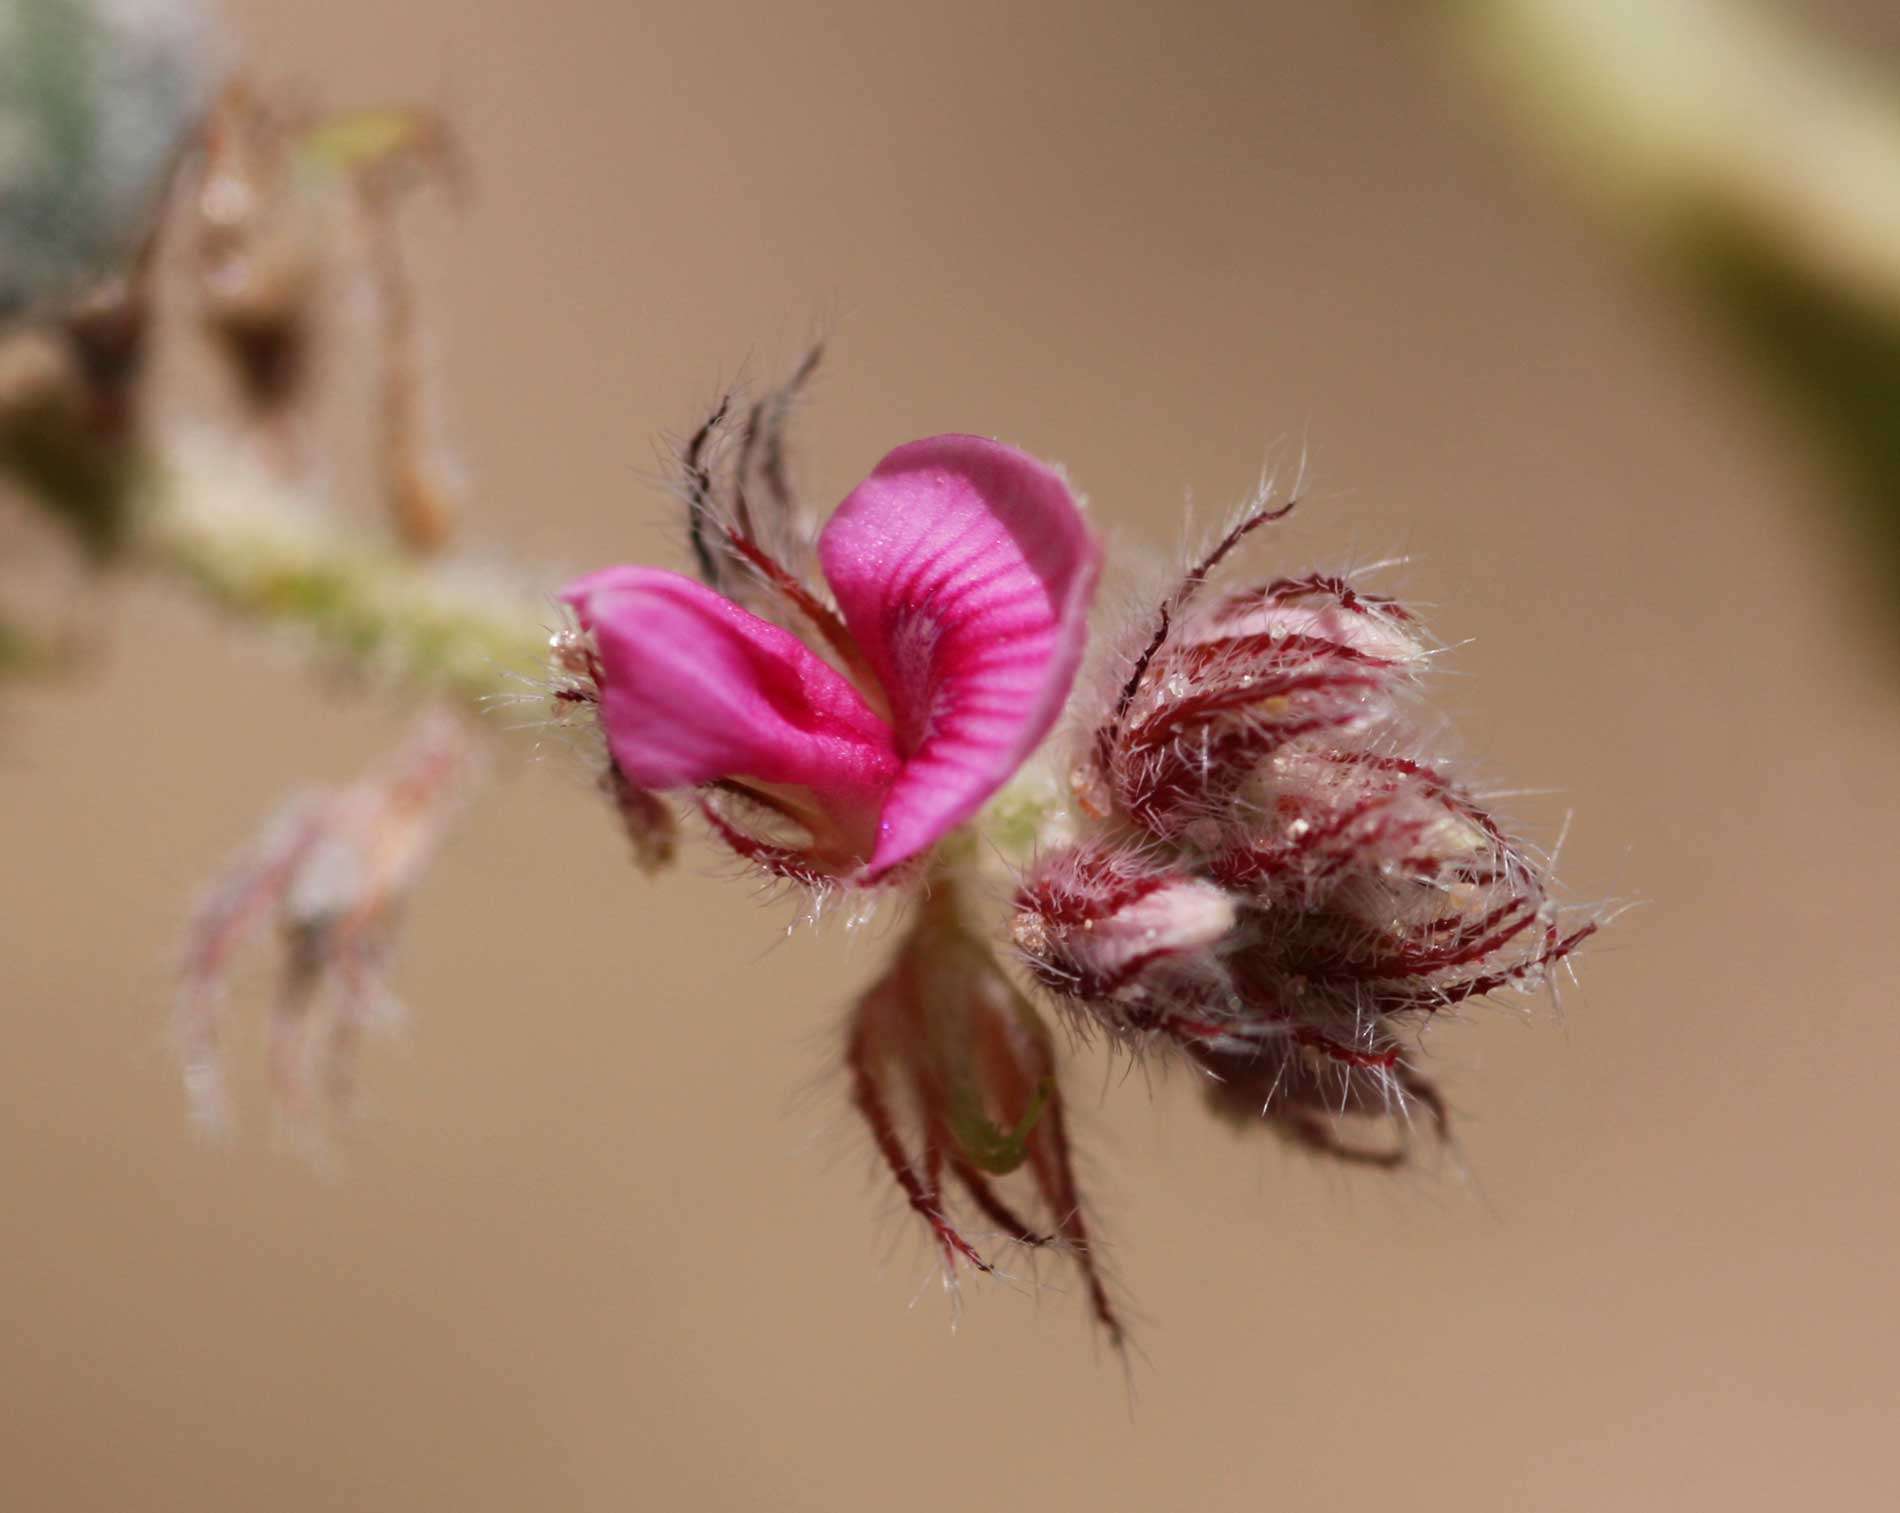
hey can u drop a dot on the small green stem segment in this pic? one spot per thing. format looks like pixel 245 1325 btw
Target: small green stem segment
pixel 209 515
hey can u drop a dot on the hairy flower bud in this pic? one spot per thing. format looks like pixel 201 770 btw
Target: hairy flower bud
pixel 1262 670
pixel 1325 1106
pixel 954 1073
pixel 1102 928
pixel 1265 878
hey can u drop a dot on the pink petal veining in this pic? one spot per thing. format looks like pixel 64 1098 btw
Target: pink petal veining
pixel 696 689
pixel 964 571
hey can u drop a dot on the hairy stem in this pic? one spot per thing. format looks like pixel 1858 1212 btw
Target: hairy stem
pixel 206 515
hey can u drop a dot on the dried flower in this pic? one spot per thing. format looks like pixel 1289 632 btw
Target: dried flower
pixel 1103 925
pixel 259 219
pixel 334 869
pixel 255 247
pixel 99 102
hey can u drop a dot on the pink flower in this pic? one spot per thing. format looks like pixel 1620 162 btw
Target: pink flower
pixel 961 573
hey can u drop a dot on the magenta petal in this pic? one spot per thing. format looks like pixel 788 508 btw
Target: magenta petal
pixel 964 570
pixel 693 688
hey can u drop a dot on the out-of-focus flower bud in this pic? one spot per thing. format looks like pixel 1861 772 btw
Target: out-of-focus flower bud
pixel 1266 878
pixel 59 439
pixel 334 869
pixel 256 239
pixel 1321 1104
pixel 954 1074
pixel 272 195
pixel 383 153
pixel 97 101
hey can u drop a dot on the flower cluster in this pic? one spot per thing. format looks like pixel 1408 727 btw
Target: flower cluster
pixel 1245 857
pixel 1250 861
pixel 1270 876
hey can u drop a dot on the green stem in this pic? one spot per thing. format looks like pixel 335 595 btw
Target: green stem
pixel 1763 165
pixel 213 519
pixel 1677 112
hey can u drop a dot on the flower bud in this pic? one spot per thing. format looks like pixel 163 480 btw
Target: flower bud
pixel 1295 662
pixel 954 1073
pixel 1318 815
pixel 1111 933
pixel 1357 891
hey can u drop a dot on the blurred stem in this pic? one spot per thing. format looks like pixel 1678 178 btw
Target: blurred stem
pixel 219 523
pixel 19 652
pixel 1763 166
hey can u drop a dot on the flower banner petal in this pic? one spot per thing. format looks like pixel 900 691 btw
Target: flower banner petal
pixel 964 570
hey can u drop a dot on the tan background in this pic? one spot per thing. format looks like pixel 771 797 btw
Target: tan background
pixel 605 1236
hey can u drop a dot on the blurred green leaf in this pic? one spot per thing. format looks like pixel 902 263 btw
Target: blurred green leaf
pixel 1761 165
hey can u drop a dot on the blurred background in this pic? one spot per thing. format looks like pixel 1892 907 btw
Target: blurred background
pixel 604 1233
